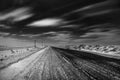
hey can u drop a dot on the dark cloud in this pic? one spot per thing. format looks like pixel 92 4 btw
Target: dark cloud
pixel 61 21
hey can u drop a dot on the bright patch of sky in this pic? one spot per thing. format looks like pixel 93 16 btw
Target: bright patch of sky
pixel 46 22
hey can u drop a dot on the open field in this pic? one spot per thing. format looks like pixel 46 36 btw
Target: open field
pixel 10 56
pixel 61 64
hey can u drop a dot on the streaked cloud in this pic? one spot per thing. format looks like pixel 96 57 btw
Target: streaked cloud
pixel 16 15
pixel 69 26
pixel 97 33
pixel 51 32
pixel 99 13
pixel 108 4
pixel 47 22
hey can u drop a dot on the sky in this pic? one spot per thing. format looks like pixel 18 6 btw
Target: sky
pixel 59 22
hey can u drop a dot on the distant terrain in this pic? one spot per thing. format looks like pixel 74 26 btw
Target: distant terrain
pixel 109 49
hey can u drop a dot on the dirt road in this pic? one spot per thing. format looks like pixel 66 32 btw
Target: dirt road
pixel 59 64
